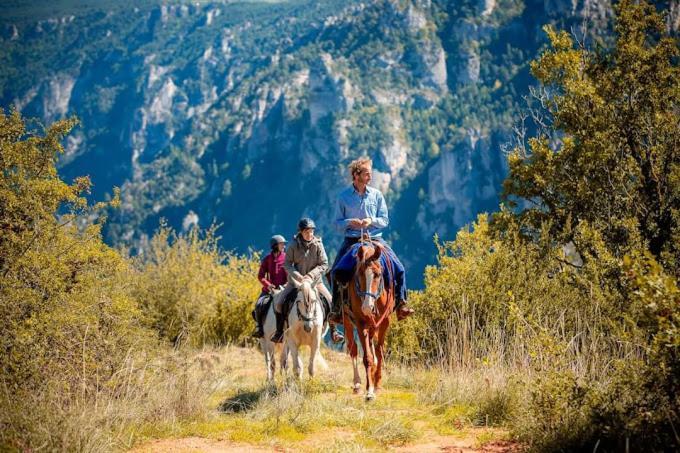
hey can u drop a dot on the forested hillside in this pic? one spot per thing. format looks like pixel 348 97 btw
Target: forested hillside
pixel 245 113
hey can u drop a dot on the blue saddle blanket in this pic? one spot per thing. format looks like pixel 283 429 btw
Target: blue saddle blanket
pixel 344 268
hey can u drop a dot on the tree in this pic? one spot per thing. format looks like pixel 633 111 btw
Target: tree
pixel 67 320
pixel 616 167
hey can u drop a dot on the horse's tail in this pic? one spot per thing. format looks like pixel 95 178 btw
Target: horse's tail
pixel 320 361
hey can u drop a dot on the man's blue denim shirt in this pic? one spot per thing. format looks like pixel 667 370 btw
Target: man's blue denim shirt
pixel 351 205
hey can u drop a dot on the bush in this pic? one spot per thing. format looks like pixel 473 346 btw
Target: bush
pixel 635 405
pixel 609 186
pixel 79 366
pixel 195 293
pixel 68 323
pixel 493 298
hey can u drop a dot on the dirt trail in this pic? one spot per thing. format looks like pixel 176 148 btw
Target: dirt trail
pixel 447 444
pixel 321 415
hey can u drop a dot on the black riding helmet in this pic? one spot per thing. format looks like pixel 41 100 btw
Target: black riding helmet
pixel 276 239
pixel 306 223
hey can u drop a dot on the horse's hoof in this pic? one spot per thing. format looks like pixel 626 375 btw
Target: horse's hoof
pixel 370 396
pixel 356 389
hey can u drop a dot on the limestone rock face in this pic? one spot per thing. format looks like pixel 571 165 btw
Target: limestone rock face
pixel 461 179
pixel 470 65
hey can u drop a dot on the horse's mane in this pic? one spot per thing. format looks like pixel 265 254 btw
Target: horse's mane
pixel 306 290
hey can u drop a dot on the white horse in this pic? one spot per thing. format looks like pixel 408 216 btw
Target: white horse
pixel 269 348
pixel 305 327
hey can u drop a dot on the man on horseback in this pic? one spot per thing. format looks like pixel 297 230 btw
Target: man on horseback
pixel 306 260
pixel 272 275
pixel 361 208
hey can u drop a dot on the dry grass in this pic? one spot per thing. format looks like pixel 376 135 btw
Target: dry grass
pixel 323 413
pixel 166 389
pixel 220 395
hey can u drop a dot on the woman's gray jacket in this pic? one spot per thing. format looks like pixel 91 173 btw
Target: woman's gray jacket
pixel 306 258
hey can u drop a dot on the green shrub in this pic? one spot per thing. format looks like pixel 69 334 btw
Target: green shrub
pixel 68 322
pixel 491 299
pixel 194 292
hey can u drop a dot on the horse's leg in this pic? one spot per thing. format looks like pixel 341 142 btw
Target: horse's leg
pixel 368 362
pixel 380 351
pixel 284 358
pixel 267 348
pixel 272 366
pixel 313 351
pixel 295 355
pixel 352 350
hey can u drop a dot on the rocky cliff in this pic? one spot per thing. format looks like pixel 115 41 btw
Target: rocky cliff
pixel 246 114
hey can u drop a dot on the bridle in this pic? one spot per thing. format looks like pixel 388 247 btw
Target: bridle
pixel 381 287
pixel 376 295
pixel 357 286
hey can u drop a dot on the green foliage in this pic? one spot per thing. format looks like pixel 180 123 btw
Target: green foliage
pixel 77 316
pixel 493 299
pixel 643 399
pixel 170 180
pixel 616 113
pixel 636 402
pixel 611 188
pixel 577 288
pixel 194 292
pixel 67 319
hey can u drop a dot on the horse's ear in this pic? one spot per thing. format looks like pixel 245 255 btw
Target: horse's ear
pixel 360 254
pixel 376 253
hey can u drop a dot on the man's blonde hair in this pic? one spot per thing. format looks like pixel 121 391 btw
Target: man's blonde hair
pixel 356 165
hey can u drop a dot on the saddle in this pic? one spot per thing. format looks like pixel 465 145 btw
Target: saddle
pixel 262 307
pixel 288 303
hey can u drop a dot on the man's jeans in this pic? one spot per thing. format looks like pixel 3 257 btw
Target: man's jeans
pixel 399 271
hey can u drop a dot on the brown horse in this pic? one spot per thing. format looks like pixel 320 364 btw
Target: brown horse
pixel 371 303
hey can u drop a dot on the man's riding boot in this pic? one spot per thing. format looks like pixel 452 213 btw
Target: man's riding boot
pixel 335 316
pixel 403 311
pixel 278 336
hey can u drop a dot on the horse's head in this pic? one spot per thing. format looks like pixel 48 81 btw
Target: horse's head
pixel 368 281
pixel 305 303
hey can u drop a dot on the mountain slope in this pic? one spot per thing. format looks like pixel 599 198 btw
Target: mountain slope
pixel 247 113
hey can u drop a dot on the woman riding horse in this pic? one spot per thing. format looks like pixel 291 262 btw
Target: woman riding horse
pixel 306 261
pixel 272 275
